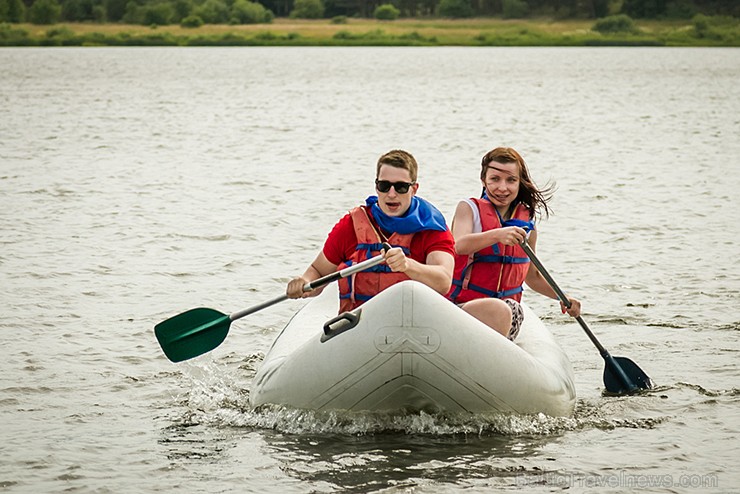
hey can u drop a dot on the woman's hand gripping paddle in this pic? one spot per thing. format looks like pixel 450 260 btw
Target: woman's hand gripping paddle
pixel 200 330
pixel 621 375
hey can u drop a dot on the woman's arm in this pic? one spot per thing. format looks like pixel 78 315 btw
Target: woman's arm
pixel 539 284
pixel 467 242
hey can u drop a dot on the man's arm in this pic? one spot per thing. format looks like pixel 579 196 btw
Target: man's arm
pixel 435 273
pixel 321 266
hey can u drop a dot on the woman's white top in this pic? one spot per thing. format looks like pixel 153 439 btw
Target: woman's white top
pixel 477 227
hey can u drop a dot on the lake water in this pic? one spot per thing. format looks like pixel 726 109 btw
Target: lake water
pixel 138 183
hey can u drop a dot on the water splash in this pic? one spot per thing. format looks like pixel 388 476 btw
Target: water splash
pixel 216 396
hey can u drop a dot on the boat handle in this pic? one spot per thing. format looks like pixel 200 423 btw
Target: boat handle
pixel 341 323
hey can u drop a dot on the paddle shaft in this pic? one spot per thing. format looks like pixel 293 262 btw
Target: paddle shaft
pixel 560 294
pixel 312 285
pixel 564 299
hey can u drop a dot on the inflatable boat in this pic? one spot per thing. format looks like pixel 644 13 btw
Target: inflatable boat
pixel 409 349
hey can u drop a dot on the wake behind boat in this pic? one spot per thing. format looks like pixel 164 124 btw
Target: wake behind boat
pixel 410 349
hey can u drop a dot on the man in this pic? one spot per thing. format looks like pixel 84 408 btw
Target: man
pixel 422 246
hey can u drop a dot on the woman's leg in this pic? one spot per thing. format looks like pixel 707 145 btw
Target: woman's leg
pixel 491 311
pixel 517 317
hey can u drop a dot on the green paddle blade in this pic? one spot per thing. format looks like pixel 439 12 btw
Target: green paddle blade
pixel 192 333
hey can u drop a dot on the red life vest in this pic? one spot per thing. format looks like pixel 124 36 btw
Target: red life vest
pixel 361 287
pixel 495 271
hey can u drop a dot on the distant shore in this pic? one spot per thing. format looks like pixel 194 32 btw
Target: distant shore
pixel 370 32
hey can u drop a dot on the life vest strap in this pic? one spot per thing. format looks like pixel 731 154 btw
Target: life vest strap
pixel 378 268
pixel 500 259
pixel 501 294
pixel 357 296
pixel 378 247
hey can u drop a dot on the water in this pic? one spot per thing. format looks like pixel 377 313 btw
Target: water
pixel 138 183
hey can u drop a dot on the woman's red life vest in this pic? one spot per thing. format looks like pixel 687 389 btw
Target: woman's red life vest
pixel 361 287
pixel 495 271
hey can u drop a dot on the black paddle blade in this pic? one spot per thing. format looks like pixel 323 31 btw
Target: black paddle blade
pixel 634 378
pixel 192 333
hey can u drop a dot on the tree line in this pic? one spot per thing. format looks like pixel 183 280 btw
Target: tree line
pixel 192 13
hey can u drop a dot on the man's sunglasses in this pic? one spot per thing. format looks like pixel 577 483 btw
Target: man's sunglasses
pixel 385 185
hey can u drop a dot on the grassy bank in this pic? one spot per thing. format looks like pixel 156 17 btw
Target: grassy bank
pixel 369 32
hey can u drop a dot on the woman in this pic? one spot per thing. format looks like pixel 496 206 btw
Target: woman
pixel 490 265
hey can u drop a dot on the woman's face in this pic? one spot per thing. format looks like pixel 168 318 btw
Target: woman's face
pixel 502 184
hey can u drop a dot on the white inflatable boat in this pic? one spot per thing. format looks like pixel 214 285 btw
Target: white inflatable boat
pixel 409 349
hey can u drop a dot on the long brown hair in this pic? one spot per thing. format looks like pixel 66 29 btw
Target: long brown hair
pixel 534 198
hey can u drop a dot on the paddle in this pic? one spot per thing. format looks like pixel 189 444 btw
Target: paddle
pixel 200 330
pixel 621 375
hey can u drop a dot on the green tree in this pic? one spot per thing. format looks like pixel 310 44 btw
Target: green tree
pixel 132 14
pixel 246 12
pixel 191 21
pixel 98 13
pixel 615 24
pixel 515 9
pixel 213 12
pixel 386 12
pixel 307 9
pixel 681 9
pixel 717 27
pixel 644 9
pixel 281 8
pixel 333 8
pixel 455 8
pixel 600 8
pixel 78 10
pixel 115 9
pixel 16 11
pixel 157 14
pixel 182 9
pixel 45 12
